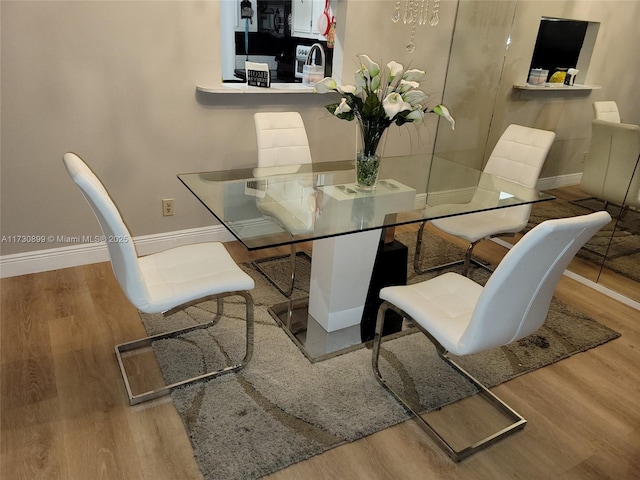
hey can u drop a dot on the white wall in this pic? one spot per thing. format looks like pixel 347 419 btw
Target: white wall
pixel 114 81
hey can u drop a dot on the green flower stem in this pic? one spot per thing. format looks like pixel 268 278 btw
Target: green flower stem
pixel 371 133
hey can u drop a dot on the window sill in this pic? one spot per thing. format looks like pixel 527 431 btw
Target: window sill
pixel 243 88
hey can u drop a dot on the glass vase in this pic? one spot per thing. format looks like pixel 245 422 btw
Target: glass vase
pixel 370 148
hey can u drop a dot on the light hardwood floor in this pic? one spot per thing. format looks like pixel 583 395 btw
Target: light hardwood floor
pixel 64 412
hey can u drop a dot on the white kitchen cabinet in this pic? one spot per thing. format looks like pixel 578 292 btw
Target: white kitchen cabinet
pixel 305 14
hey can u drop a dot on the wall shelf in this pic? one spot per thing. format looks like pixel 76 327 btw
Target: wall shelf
pixel 549 88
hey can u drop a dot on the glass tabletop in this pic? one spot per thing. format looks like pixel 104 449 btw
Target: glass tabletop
pixel 271 206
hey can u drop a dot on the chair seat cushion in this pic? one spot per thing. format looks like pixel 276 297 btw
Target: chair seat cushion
pixel 476 226
pixel 442 305
pixel 183 274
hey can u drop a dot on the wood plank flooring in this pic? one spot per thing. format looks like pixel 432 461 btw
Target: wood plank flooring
pixel 64 413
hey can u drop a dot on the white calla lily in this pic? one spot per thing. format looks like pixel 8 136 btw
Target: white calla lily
pixel 415 97
pixel 415 115
pixel 372 67
pixel 406 85
pixel 444 112
pixel 375 83
pixel 395 69
pixel 413 75
pixel 347 89
pixel 343 107
pixel 325 85
pixel 394 104
pixel 360 79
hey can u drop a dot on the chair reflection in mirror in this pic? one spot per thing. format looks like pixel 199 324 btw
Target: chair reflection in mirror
pixel 607 111
pixel 611 171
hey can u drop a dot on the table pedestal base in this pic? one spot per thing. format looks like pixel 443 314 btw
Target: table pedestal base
pixel 314 341
pixel 341 269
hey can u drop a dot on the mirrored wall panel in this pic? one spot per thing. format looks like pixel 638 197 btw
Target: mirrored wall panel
pixel 479 90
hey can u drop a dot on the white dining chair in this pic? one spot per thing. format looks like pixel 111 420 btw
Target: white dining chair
pixel 164 282
pixel 611 168
pixel 282 143
pixel 282 139
pixel 461 317
pixel 606 110
pixel 518 156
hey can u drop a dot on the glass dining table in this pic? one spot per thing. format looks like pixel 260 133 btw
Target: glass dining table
pixel 266 207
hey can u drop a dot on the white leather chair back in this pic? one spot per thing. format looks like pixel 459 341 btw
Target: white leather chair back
pixel 519 156
pixel 611 170
pixel 122 251
pixel 515 300
pixel 607 111
pixel 282 139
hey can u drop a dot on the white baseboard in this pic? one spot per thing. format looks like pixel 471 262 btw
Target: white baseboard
pixel 561 181
pixel 604 290
pixel 585 281
pixel 86 253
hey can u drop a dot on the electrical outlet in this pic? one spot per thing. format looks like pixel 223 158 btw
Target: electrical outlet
pixel 167 207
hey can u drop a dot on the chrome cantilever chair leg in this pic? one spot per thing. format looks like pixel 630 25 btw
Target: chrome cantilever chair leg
pixel 466 261
pixel 286 289
pixel 147 341
pixel 518 422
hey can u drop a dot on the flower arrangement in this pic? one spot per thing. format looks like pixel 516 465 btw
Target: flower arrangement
pixel 381 97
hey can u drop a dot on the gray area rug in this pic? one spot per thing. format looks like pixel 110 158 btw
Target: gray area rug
pixel 619 240
pixel 282 409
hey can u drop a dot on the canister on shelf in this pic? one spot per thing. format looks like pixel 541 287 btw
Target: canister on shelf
pixel 538 76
